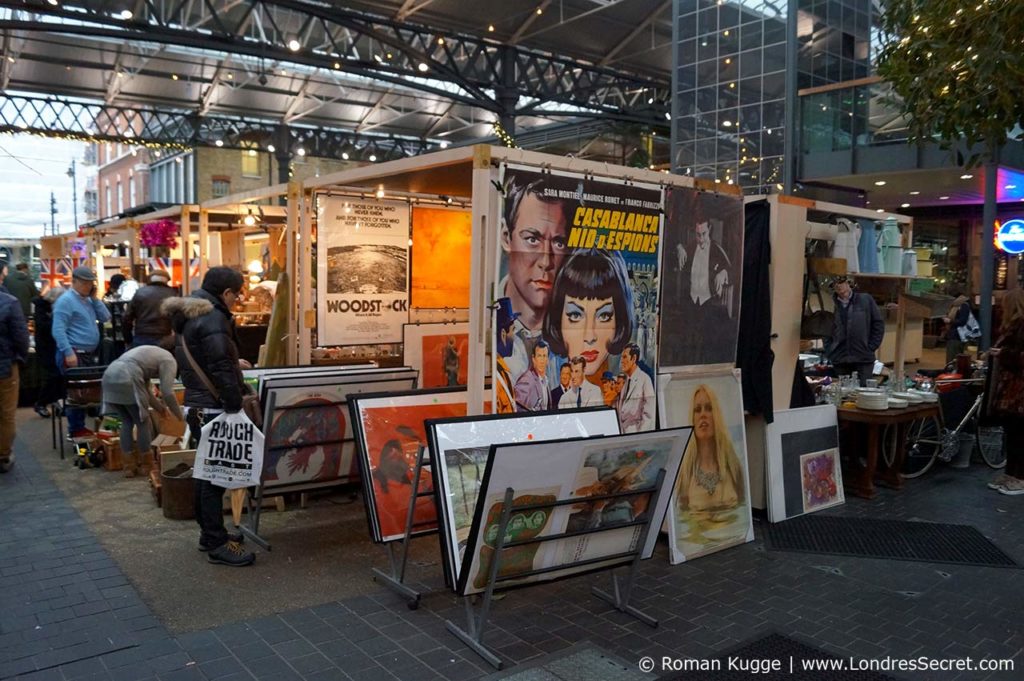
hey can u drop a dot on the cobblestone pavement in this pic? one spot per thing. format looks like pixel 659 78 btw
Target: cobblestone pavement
pixel 69 611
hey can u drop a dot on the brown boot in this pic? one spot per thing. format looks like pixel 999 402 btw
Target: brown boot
pixel 147 463
pixel 131 464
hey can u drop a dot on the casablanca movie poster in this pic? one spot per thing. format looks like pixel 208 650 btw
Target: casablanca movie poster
pixel 362 271
pixel 701 273
pixel 575 320
pixel 440 238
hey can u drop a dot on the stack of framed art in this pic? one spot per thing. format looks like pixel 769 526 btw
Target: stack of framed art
pixel 804 472
pixel 461 448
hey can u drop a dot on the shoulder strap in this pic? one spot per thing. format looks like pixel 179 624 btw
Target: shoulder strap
pixel 195 367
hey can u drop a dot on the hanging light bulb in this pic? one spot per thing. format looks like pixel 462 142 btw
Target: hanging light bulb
pixel 380 191
pixel 249 220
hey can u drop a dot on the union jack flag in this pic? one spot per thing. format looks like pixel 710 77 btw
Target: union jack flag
pixel 53 273
pixel 173 267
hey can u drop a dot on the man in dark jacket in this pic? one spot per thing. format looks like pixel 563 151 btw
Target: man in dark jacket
pixel 21 286
pixel 13 351
pixel 144 317
pixel 857 332
pixel 204 322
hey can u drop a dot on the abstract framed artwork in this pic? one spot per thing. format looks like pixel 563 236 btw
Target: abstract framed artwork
pixel 461 446
pixel 585 535
pixel 390 432
pixel 710 508
pixel 804 472
pixel 440 352
pixel 437 231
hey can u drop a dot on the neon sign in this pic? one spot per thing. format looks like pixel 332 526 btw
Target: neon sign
pixel 1010 236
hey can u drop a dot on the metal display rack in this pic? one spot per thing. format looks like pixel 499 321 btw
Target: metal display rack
pixel 620 594
pixel 395 579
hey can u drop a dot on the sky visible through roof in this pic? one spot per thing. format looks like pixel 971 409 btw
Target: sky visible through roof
pixel 30 168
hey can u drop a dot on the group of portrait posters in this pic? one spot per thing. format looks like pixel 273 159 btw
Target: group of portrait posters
pixel 576 306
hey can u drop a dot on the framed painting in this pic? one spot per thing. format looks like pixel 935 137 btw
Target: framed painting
pixel 390 432
pixel 804 474
pixel 710 508
pixel 620 473
pixel 440 352
pixel 440 237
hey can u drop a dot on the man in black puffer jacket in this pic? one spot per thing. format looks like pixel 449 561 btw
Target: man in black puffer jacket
pixel 203 320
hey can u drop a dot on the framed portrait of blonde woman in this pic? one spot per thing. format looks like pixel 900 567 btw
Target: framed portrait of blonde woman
pixel 710 507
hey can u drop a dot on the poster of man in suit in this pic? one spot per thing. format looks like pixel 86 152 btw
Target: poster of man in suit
pixel 703 264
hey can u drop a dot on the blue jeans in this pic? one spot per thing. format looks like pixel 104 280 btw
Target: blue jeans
pixel 129 415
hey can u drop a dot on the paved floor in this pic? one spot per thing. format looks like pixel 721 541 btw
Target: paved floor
pixel 71 610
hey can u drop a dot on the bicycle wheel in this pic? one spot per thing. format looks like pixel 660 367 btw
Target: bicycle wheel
pixel 922 444
pixel 989 440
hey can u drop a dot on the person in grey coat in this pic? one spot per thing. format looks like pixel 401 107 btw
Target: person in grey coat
pixel 127 393
pixel 857 331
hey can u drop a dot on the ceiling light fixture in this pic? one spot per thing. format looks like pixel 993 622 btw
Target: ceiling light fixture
pixel 344 155
pixel 943 198
pixel 219 143
pixel 337 65
pixel 300 151
pixel 879 210
pixel 904 205
pixel 966 176
pixel 127 14
pixel 249 220
pixel 490 28
pixel 271 148
pixel 914 193
pixel 373 158
pixel 880 183
pixel 540 10
pixel 174 76
pixel 422 66
pixel 294 45
pixel 380 191
pixel 444 144
pixel 1010 186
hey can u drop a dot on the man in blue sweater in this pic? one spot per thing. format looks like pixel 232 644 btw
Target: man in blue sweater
pixel 76 318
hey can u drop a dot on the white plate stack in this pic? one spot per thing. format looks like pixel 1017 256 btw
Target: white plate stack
pixel 926 397
pixel 872 399
pixel 897 403
pixel 909 397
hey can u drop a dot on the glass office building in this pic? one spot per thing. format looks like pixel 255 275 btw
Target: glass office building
pixel 739 65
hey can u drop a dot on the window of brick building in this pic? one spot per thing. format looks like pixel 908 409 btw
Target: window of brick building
pixel 221 187
pixel 250 160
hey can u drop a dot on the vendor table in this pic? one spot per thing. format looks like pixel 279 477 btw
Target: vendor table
pixel 863 485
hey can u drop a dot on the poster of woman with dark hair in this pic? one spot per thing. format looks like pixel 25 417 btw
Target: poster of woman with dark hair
pixel 703 264
pixel 579 265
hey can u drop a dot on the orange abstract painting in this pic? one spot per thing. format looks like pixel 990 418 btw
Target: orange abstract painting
pixel 440 257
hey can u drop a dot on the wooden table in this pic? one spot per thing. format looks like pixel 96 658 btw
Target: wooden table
pixel 864 484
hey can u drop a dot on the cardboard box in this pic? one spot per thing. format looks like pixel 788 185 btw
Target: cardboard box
pixel 167 443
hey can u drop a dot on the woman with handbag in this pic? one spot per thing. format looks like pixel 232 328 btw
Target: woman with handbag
pixel 207 354
pixel 1008 397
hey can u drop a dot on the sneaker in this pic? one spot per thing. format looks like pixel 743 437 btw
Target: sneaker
pixel 999 481
pixel 6 463
pixel 231 554
pixel 236 537
pixel 1012 487
pixel 42 411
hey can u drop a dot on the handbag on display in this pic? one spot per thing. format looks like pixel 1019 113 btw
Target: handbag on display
pixel 816 324
pixel 251 406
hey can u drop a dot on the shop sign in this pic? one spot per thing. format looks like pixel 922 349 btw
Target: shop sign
pixel 1010 236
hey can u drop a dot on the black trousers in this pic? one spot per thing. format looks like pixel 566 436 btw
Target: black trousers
pixel 209 498
pixel 1013 435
